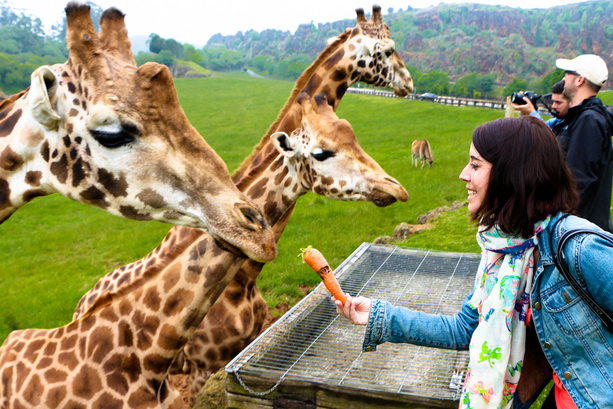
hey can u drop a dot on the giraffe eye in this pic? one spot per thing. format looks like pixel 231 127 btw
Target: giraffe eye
pixel 112 139
pixel 323 155
pixel 389 52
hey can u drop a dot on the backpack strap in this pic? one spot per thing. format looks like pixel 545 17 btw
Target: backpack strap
pixel 563 268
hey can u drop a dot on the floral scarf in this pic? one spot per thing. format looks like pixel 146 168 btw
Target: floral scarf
pixel 502 297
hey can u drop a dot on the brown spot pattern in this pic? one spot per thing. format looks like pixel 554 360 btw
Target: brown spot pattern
pixel 257 190
pixel 60 169
pixel 33 177
pixel 177 302
pixel 6 126
pixel 32 392
pixel 56 396
pixel 115 186
pixel 169 338
pixel 129 212
pixel 44 151
pixel 151 198
pixel 10 160
pixel 86 383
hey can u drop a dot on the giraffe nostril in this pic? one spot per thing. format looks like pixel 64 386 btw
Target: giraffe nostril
pixel 392 181
pixel 253 220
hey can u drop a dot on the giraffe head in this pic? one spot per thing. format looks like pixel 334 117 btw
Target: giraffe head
pixel 372 54
pixel 329 160
pixel 114 135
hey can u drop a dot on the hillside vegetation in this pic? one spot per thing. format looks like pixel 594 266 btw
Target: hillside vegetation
pixel 459 38
pixel 461 49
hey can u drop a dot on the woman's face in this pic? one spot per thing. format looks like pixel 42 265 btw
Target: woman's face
pixel 476 175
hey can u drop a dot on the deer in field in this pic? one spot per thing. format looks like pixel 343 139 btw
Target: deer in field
pixel 421 151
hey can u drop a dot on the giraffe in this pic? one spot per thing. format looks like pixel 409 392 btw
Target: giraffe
pixel 244 315
pixel 102 131
pixel 118 352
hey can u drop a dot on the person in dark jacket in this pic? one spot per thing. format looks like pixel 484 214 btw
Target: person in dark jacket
pixel 585 137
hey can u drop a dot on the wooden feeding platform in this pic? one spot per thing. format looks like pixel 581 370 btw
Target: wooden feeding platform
pixel 312 357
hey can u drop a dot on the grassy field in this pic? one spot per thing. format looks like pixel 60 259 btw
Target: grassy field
pixel 53 249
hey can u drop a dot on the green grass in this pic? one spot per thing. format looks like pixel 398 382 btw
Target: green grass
pixel 606 97
pixel 194 68
pixel 53 249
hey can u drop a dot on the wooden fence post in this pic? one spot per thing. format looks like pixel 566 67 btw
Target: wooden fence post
pixel 510 112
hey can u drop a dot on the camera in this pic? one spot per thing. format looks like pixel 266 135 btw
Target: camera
pixel 517 98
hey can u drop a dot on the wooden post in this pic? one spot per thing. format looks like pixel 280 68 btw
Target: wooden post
pixel 510 112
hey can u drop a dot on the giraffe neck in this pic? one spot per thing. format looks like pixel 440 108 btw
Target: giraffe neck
pixel 168 308
pixel 277 187
pixel 23 174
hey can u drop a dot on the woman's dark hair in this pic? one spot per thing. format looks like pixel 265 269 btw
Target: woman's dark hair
pixel 529 179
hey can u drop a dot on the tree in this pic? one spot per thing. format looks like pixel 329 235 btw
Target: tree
pixel 165 57
pixel 175 48
pixel 516 85
pixel 435 81
pixel 550 79
pixel 156 43
pixel 485 83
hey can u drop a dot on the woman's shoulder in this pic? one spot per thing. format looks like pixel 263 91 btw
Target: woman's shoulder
pixel 563 225
pixel 563 222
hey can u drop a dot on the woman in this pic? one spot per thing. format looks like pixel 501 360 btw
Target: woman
pixel 518 188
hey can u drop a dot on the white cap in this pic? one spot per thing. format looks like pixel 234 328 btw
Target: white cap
pixel 590 66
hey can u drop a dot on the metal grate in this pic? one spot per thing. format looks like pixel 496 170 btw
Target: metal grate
pixel 312 343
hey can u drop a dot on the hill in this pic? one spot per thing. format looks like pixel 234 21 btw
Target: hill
pixel 461 38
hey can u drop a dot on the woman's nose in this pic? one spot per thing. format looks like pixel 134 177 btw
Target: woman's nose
pixel 464 176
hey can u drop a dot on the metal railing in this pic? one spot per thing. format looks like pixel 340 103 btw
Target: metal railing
pixel 456 101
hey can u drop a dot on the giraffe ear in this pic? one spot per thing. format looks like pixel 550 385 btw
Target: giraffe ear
pixel 42 100
pixel 284 144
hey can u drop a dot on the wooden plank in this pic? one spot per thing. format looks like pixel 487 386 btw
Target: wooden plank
pixel 296 394
pixel 247 402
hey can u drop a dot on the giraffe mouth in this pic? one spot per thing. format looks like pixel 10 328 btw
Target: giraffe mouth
pixel 387 192
pixel 381 199
pixel 401 91
pixel 230 248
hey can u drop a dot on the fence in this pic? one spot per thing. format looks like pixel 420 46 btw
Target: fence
pixel 457 101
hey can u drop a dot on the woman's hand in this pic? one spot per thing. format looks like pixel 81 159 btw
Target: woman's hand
pixel 356 310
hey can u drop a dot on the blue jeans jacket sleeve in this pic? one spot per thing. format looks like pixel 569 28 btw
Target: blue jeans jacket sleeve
pixel 387 323
pixel 593 272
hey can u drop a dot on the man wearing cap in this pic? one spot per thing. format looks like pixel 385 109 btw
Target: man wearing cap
pixel 585 136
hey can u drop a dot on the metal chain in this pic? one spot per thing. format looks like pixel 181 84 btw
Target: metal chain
pixel 251 391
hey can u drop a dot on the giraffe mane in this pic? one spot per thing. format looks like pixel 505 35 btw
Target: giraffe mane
pixel 300 84
pixel 10 100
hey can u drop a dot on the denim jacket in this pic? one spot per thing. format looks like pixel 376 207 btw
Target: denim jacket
pixel 577 345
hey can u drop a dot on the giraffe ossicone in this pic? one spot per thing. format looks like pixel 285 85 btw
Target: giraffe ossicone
pixel 102 131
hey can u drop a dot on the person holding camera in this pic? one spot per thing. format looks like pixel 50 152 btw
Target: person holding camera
pixel 523 323
pixel 559 105
pixel 585 136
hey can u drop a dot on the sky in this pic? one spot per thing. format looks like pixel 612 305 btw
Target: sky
pixel 195 21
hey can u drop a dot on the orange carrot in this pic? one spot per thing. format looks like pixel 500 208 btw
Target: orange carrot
pixel 316 260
